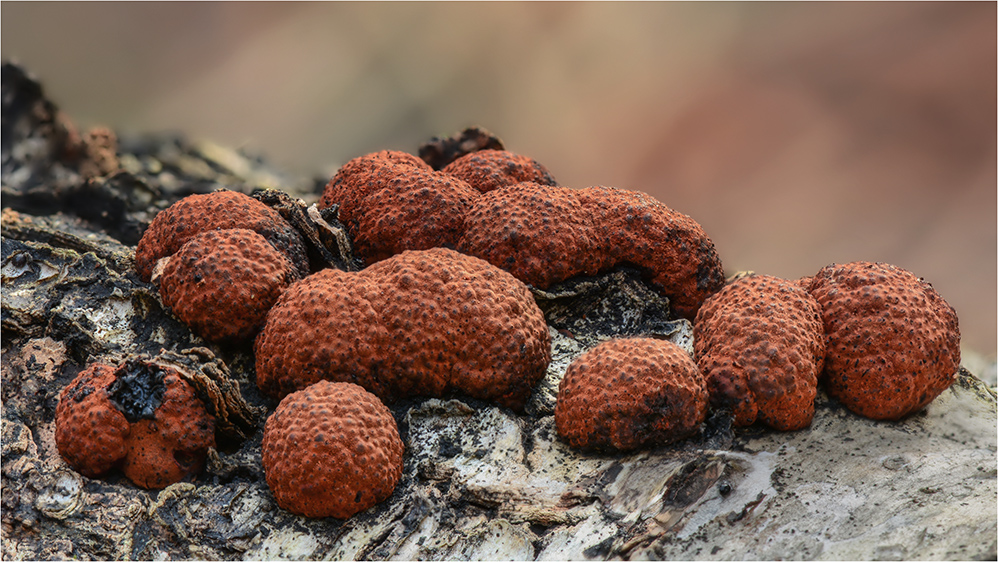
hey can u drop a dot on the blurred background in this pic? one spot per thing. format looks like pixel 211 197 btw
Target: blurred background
pixel 797 134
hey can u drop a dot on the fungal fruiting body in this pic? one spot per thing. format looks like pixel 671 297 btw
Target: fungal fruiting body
pixel 892 343
pixel 392 201
pixel 545 235
pixel 672 247
pixel 219 210
pixel 91 433
pixel 506 209
pixel 331 450
pixel 221 283
pixel 220 261
pixel 140 416
pixel 486 170
pixel 629 393
pixel 759 343
pixel 421 322
pixel 542 235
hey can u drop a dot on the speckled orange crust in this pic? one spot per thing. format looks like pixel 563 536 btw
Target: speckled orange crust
pixel 422 322
pixel 392 201
pixel 331 450
pixel 892 343
pixel 90 433
pixel 629 393
pixel 142 417
pixel 486 170
pixel 480 204
pixel 544 235
pixel 760 344
pixel 354 180
pixel 221 283
pixel 220 210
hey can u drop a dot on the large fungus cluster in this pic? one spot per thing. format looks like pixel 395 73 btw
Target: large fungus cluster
pixel 421 322
pixel 141 417
pixel 506 209
pixel 443 306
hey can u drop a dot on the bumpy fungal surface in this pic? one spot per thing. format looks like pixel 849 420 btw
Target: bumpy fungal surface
pixel 90 432
pixel 506 209
pixel 545 235
pixel 221 283
pixel 804 283
pixel 486 170
pixel 629 393
pixel 392 201
pixel 892 343
pixel 541 235
pixel 672 247
pixel 421 322
pixel 760 345
pixel 140 416
pixel 331 450
pixel 353 181
pixel 220 210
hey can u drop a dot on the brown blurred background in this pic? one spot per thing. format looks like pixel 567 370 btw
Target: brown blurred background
pixel 797 134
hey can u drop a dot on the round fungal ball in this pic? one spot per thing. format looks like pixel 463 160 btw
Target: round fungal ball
pixel 331 450
pixel 486 170
pixel 222 283
pixel 391 202
pixel 760 344
pixel 629 393
pixel 140 416
pixel 892 343
pixel 220 210
pixel 90 433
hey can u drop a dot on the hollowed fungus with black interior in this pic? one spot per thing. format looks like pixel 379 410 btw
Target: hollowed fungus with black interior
pixel 142 417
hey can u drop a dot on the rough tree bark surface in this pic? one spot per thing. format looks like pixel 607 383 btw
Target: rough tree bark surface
pixel 480 482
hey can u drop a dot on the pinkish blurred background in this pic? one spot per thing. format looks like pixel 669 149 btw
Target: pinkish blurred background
pixel 797 134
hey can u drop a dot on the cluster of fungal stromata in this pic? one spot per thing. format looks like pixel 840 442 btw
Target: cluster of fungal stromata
pixel 425 319
pixel 506 209
pixel 221 261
